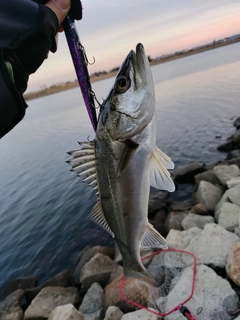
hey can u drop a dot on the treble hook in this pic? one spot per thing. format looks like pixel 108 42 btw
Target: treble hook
pixel 86 61
pixel 92 93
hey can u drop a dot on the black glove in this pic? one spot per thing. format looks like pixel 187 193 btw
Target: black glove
pixel 75 12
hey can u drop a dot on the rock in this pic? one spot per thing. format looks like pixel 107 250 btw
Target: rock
pixel 60 280
pixel 211 246
pixel 165 267
pixel 140 290
pixel 208 175
pixel 225 173
pixel 226 146
pixel 213 295
pixel 233 195
pixel 181 239
pixel 93 300
pixel 224 199
pixel 113 313
pixel 116 272
pixel 236 123
pixel 87 255
pixel 194 220
pixel 233 182
pixel 174 220
pixel 186 173
pixel 236 138
pixel 233 154
pixel 97 315
pixel 200 209
pixel 181 205
pixel 48 299
pixel 208 194
pixel 237 231
pixel 233 264
pixel 98 269
pixel 159 222
pixel 140 315
pixel 18 283
pixel 229 215
pixel 10 308
pixel 66 312
pixel 157 201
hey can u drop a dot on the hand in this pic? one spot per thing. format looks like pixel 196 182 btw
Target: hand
pixel 60 8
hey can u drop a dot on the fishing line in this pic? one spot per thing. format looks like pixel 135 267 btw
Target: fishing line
pixel 180 307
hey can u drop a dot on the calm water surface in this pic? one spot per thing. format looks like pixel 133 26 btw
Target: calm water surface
pixel 44 208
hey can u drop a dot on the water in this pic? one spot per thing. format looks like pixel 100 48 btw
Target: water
pixel 44 209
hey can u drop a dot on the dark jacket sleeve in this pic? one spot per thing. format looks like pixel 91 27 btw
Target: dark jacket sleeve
pixel 27 33
pixel 22 19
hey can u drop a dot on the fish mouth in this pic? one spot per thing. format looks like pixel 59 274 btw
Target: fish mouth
pixel 140 64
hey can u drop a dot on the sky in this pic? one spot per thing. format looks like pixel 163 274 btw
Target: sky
pixel 110 29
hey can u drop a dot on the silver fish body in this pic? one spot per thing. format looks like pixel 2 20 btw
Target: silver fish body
pixel 127 162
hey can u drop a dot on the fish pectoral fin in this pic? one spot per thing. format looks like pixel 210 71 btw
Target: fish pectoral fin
pixel 165 159
pixel 98 216
pixel 153 239
pixel 160 178
pixel 84 164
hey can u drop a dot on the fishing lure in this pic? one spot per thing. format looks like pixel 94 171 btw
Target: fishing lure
pixel 80 63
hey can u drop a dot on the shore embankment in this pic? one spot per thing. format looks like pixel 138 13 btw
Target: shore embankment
pixel 105 75
pixel 207 226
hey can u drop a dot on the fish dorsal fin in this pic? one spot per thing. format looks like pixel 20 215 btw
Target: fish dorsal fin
pixel 98 216
pixel 160 178
pixel 83 162
pixel 153 239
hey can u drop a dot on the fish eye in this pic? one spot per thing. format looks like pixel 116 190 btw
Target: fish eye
pixel 122 84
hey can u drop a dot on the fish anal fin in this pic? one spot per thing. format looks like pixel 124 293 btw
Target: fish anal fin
pixel 160 178
pixel 153 239
pixel 98 217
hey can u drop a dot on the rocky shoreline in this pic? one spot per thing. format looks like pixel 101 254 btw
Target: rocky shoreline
pixel 208 226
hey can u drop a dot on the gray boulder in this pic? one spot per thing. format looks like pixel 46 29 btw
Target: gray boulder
pixel 186 173
pixel 93 300
pixel 87 255
pixel 234 195
pixel 48 299
pixel 113 313
pixel 60 280
pixel 200 209
pixel 140 315
pixel 236 138
pixel 157 201
pixel 10 308
pixel 213 295
pixel 174 220
pixel 194 220
pixel 208 194
pixel 66 312
pixel 233 182
pixel 236 123
pixel 181 205
pixel 226 146
pixel 98 269
pixel 208 175
pixel 180 239
pixel 211 246
pixel 229 215
pixel 18 283
pixel 225 172
pixel 224 199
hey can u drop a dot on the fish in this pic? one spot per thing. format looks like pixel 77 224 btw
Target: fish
pixel 123 161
